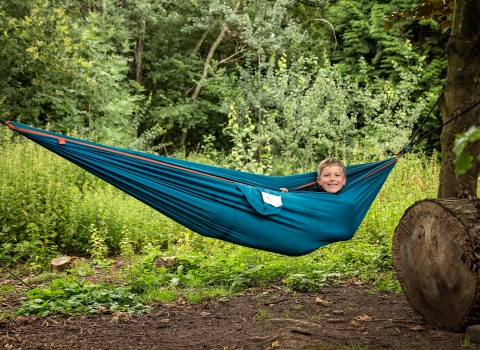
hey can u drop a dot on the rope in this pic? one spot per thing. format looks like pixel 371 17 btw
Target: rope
pixel 61 139
pixel 16 277
pixel 448 121
pixel 425 119
pixel 412 143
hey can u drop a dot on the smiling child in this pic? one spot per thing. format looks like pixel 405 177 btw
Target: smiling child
pixel 331 176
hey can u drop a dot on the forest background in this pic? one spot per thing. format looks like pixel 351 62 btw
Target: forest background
pixel 263 86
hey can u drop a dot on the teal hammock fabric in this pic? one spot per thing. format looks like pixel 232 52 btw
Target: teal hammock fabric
pixel 234 206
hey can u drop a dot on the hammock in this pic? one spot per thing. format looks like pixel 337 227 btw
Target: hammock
pixel 234 206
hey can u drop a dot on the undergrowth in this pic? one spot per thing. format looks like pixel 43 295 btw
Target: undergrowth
pixel 69 297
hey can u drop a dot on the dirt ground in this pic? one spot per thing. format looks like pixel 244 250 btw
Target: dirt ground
pixel 347 316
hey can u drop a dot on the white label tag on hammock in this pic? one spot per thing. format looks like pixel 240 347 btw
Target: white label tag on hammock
pixel 271 199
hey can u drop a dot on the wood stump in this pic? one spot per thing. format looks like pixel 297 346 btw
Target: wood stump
pixel 61 263
pixel 436 255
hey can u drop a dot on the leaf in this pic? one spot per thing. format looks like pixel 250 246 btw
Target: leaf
pixel 424 10
pixel 321 301
pixel 388 25
pixel 463 159
pixel 438 4
pixel 462 163
pixel 364 318
pixel 174 281
pixel 446 24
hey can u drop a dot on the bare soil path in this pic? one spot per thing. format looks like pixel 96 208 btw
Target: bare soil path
pixel 340 317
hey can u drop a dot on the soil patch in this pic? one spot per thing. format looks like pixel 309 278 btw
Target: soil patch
pixel 340 317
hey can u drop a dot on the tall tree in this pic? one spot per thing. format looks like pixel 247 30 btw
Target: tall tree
pixel 436 243
pixel 462 90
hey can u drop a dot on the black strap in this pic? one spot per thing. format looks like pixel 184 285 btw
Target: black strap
pixel 448 121
pixel 425 119
pixel 16 277
pixel 412 143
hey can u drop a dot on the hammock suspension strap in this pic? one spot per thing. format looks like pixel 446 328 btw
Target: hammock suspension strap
pixel 412 143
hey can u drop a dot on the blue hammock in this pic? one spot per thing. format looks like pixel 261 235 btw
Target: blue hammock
pixel 234 206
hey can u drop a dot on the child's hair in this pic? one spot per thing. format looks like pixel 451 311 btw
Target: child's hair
pixel 329 162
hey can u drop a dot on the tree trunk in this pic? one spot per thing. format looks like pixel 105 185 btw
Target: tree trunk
pixel 436 252
pixel 436 247
pixel 462 89
pixel 138 52
pixel 104 7
pixel 202 39
pixel 196 91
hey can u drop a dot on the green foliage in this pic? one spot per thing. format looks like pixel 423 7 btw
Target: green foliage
pixel 59 70
pixel 463 159
pixel 246 143
pixel 69 297
pixel 261 314
pixel 70 66
pixel 98 249
pixel 126 244
pixel 49 204
pixel 359 27
pixel 302 111
pixel 427 9
pixel 465 341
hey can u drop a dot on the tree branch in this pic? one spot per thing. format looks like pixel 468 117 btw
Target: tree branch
pixel 333 30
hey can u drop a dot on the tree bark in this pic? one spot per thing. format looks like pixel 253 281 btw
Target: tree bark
pixel 139 52
pixel 462 89
pixel 104 7
pixel 202 39
pixel 436 253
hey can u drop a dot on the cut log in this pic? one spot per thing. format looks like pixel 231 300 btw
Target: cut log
pixel 436 255
pixel 61 263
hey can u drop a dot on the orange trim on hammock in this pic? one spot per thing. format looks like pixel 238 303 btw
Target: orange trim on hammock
pixel 10 126
pixel 303 186
pixel 383 167
pixel 61 140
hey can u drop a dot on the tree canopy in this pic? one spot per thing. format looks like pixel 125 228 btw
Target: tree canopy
pixel 248 79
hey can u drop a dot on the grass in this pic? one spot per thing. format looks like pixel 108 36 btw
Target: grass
pixel 49 206
pixel 162 295
pixel 465 341
pixel 261 314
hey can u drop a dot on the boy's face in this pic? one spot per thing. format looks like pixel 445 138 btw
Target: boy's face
pixel 332 179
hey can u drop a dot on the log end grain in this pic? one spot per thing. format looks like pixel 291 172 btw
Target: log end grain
pixel 429 248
